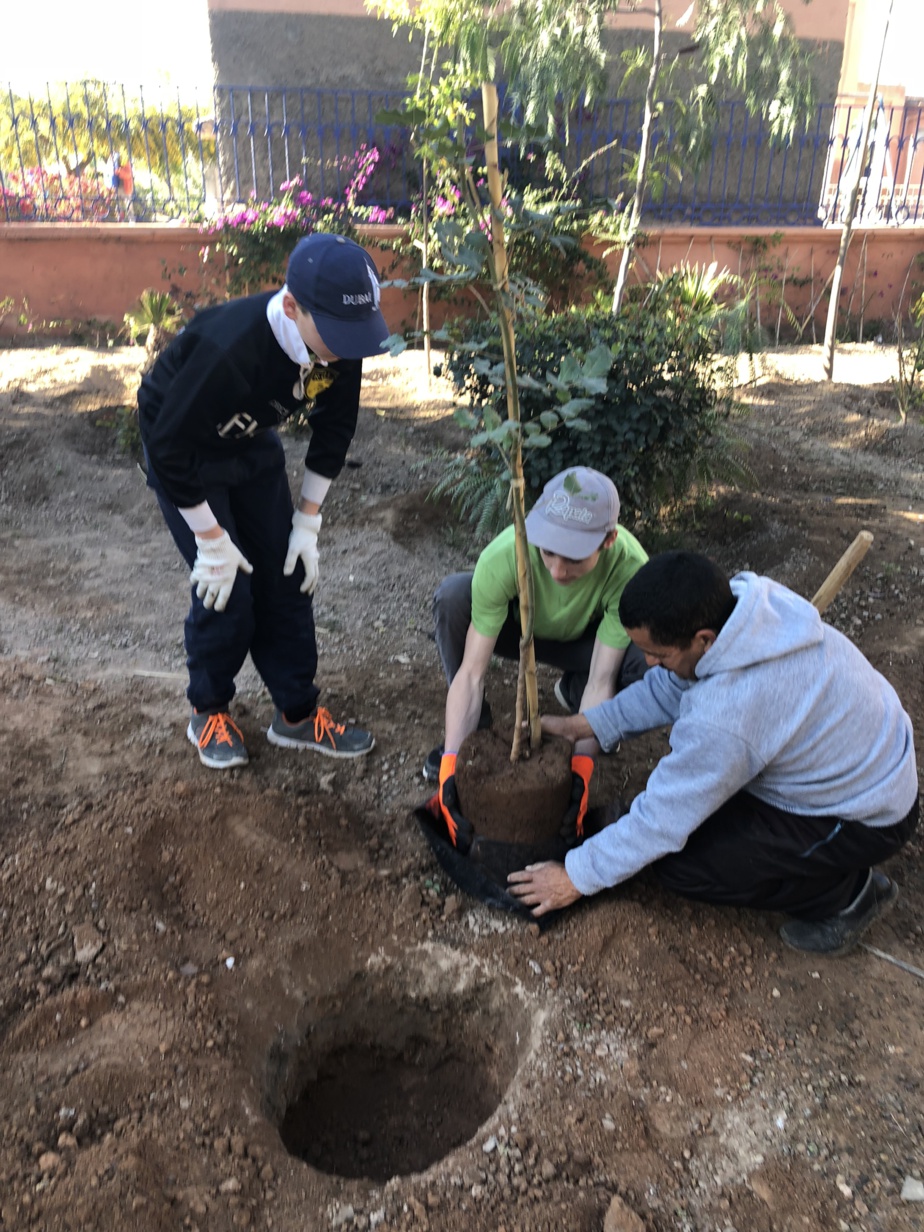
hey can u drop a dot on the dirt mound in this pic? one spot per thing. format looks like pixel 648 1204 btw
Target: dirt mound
pixel 206 981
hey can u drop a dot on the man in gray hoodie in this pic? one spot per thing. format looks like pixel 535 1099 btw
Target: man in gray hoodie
pixel 792 767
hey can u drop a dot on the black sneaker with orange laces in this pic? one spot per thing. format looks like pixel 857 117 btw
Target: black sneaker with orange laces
pixel 320 733
pixel 218 739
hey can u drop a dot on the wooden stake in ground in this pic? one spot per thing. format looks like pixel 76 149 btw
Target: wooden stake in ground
pixel 829 588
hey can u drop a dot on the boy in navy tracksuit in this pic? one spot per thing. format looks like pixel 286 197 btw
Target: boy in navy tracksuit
pixel 208 409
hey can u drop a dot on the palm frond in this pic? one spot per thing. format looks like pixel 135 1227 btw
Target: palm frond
pixel 477 491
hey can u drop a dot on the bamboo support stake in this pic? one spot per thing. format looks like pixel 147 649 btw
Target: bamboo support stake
pixel 517 486
pixel 829 588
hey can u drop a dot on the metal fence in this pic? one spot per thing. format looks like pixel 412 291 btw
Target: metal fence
pixel 93 153
pixel 267 137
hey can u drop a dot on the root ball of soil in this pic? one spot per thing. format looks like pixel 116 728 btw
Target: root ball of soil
pixel 514 802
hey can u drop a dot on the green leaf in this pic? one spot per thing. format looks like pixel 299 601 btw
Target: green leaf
pixel 526 381
pixel 429 275
pixel 588 373
pixel 599 360
pixel 505 433
pixel 574 406
pixel 409 115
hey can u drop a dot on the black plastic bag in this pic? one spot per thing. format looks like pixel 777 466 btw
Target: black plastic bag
pixel 482 873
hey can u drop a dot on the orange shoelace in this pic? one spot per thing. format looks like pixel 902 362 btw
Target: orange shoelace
pixel 325 728
pixel 217 727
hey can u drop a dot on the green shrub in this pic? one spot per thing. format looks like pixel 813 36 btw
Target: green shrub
pixel 648 422
pixel 128 432
pixel 909 385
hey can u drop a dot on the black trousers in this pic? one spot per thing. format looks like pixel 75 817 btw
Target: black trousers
pixel 750 854
pixel 267 615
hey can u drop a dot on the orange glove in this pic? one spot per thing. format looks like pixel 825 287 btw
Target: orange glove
pixel 582 767
pixel 461 832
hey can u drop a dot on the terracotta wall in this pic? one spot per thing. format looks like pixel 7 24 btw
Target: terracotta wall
pixel 882 274
pixel 61 276
pixel 64 276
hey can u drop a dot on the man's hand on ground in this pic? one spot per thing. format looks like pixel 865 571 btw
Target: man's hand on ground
pixel 543 887
pixel 215 569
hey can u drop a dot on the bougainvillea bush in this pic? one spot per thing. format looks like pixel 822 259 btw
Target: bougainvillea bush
pixel 254 239
pixel 49 196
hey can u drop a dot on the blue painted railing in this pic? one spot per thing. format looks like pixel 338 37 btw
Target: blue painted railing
pixel 90 154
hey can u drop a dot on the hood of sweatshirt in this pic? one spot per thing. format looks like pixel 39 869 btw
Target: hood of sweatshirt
pixel 768 623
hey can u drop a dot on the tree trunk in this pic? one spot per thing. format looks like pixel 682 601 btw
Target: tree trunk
pixel 641 177
pixel 425 221
pixel 528 687
pixel 837 279
pixel 425 289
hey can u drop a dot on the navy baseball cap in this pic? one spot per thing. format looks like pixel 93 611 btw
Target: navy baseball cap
pixel 334 279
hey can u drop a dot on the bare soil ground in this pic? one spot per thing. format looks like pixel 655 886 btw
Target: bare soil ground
pixel 253 1000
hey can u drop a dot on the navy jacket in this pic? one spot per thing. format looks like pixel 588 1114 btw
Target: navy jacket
pixel 225 379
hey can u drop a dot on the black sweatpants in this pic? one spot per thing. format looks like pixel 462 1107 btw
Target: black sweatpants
pixel 267 615
pixel 750 854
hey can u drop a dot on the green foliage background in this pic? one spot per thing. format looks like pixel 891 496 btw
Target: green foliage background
pixel 637 397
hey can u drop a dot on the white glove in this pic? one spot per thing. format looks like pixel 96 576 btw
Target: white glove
pixel 215 568
pixel 303 546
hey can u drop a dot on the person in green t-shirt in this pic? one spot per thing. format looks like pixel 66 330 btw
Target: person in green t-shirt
pixel 581 561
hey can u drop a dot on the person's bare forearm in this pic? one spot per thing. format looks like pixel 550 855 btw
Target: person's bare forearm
pixel 600 687
pixel 463 708
pixel 572 727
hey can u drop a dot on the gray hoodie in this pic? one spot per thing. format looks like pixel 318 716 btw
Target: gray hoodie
pixel 782 705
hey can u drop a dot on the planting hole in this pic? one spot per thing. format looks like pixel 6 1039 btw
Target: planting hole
pixel 391 1080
